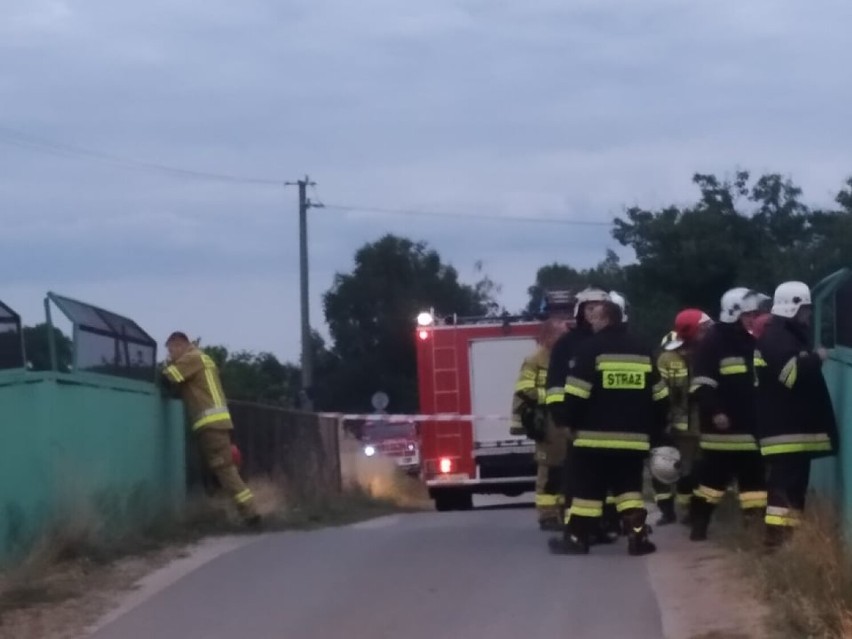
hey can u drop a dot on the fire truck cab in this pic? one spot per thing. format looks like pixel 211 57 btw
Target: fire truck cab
pixel 467 369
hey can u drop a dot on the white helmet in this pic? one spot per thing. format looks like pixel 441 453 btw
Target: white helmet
pixel 737 301
pixel 589 294
pixel 665 464
pixel 621 301
pixel 789 298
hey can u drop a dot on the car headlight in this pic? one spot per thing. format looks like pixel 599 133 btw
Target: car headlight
pixel 369 451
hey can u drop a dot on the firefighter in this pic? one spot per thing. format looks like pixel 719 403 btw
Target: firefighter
pixel 690 325
pixel 529 416
pixel 561 358
pixel 795 415
pixel 197 377
pixel 615 403
pixel 723 388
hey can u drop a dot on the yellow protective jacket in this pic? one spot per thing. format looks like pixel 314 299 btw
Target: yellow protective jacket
pixel 531 385
pixel 197 375
pixel 674 371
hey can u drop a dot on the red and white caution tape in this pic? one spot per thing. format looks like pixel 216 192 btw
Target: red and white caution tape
pixel 437 417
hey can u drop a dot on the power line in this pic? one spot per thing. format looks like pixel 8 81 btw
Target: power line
pixel 460 215
pixel 12 137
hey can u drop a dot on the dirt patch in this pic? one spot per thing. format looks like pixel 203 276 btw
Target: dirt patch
pixel 702 590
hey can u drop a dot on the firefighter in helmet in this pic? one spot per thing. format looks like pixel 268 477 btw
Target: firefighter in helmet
pixel 690 325
pixel 616 409
pixel 723 387
pixel 196 376
pixel 562 356
pixel 529 416
pixel 796 421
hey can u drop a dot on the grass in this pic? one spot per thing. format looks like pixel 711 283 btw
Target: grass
pixel 807 582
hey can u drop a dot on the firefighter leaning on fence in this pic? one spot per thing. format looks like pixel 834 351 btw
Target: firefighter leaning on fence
pixel 615 406
pixel 674 365
pixel 561 358
pixel 796 420
pixel 197 377
pixel 530 418
pixel 723 387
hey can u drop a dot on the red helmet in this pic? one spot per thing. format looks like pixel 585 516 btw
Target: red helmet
pixel 236 455
pixel 688 323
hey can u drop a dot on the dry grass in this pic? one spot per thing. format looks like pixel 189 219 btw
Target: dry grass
pixel 808 582
pixel 72 573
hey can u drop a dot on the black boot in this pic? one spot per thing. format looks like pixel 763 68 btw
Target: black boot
pixel 667 511
pixel 638 543
pixel 575 541
pixel 700 511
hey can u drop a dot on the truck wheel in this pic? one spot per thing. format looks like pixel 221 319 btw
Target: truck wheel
pixel 452 500
pixel 464 501
pixel 443 502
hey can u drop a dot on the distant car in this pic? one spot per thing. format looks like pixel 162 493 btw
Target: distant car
pixel 396 440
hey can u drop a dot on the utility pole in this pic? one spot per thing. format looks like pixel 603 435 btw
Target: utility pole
pixel 306 400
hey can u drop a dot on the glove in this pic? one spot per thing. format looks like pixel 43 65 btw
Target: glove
pixel 533 421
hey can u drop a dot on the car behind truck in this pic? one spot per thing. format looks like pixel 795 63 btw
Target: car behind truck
pixel 467 369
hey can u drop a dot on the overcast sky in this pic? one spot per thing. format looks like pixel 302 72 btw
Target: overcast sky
pixel 546 108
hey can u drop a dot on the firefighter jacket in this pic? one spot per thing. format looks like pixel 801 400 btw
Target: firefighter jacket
pixel 197 376
pixel 723 382
pixel 795 413
pixel 561 359
pixel 530 388
pixel 614 397
pixel 674 371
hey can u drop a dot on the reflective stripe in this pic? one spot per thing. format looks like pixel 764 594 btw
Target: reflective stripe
pixel 524 385
pixel 555 395
pixel 779 516
pixel 710 495
pixel 758 359
pixel 732 366
pixel 624 358
pixel 714 441
pixel 615 440
pixel 611 500
pixel 661 391
pixel 697 382
pixel 173 372
pixel 681 425
pixel 663 496
pixel 683 499
pixel 212 384
pixel 210 416
pixel 586 508
pixel 629 501
pixel 243 497
pixel 753 499
pixel 578 388
pixel 546 500
pixel 798 443
pixel 540 395
pixel 789 373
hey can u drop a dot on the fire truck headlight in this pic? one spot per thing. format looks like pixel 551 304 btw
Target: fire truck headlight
pixel 446 465
pixel 425 319
pixel 411 447
pixel 369 451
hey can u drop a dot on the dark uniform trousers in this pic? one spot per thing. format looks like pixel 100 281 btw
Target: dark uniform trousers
pixel 789 476
pixel 596 472
pixel 719 468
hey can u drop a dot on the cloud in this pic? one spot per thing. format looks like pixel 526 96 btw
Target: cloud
pixel 545 109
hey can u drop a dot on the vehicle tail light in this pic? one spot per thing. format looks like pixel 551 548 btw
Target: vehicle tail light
pixel 423 334
pixel 446 465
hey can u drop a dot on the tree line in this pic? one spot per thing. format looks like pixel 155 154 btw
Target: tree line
pixel 739 231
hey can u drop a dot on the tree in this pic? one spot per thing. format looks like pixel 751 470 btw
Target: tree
pixel 260 377
pixel 37 348
pixel 371 312
pixel 608 275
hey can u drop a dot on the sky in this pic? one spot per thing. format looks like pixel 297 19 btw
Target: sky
pixel 554 110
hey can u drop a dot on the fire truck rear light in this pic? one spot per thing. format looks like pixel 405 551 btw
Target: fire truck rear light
pixel 446 465
pixel 423 334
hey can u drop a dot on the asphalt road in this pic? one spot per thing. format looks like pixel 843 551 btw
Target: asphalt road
pixel 485 573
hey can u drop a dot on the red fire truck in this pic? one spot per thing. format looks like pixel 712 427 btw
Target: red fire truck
pixel 468 367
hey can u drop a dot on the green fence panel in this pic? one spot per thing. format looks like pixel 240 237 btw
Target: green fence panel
pixel 86 450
